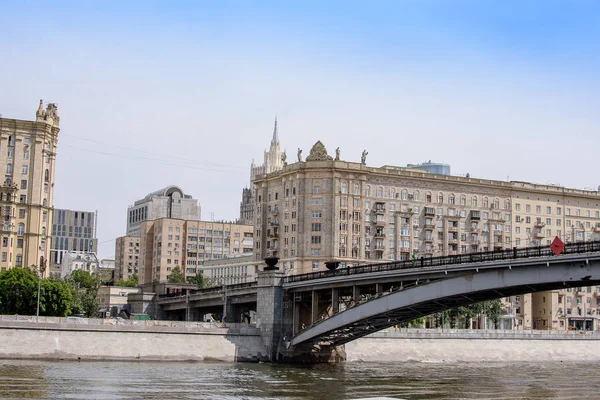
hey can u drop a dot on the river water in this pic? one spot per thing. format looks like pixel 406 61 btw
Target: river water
pixel 145 380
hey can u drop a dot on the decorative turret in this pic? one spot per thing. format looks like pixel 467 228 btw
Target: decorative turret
pixel 50 116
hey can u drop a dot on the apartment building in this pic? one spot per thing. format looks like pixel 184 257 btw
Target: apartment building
pixel 27 157
pixel 169 202
pixel 167 243
pixel 322 209
pixel 127 253
pixel 71 231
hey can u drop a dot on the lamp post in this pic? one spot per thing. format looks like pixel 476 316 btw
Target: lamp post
pixel 41 270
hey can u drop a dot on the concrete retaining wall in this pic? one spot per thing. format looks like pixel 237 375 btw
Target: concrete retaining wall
pixel 26 340
pixel 457 346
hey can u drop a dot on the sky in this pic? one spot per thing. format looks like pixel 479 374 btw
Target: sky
pixel 184 93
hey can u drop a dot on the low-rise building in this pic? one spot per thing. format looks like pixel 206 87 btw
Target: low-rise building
pixel 74 260
pixel 114 296
pixel 229 271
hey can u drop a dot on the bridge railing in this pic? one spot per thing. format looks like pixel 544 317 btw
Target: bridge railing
pixel 212 289
pixel 467 258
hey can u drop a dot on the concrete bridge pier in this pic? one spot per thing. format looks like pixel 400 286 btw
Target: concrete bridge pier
pixel 276 316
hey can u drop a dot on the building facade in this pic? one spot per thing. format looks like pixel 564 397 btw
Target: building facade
pixel 71 231
pixel 169 202
pixel 230 271
pixel 324 209
pixel 127 254
pixel 27 157
pixel 167 243
pixel 273 161
pixel 74 260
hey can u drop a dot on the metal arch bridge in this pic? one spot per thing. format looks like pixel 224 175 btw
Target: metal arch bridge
pixel 473 278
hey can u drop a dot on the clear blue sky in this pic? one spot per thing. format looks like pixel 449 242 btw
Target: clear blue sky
pixel 159 93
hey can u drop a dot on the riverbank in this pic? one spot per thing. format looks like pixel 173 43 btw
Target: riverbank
pixel 425 345
pixel 114 340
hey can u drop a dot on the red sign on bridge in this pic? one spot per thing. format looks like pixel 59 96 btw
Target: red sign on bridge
pixel 557 246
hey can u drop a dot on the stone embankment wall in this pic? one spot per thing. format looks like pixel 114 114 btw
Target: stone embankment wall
pixel 30 340
pixel 474 345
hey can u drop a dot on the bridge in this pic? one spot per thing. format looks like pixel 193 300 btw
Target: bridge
pixel 310 316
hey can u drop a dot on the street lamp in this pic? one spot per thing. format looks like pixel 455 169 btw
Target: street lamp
pixel 42 268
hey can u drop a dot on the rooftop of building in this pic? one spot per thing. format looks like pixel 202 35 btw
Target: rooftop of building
pixel 319 159
pixel 81 256
pixel 164 192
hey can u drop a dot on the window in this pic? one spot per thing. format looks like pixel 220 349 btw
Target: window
pixel 315 239
pixel 315 265
pixel 24 169
pixel 11 140
pixel 22 213
pixel 451 199
pixel 22 199
pixel 356 189
pixel 21 229
pixel 9 169
pixel 316 227
pixel 440 198
pixel 19 260
pixel 404 194
pixel 23 184
pixel 474 201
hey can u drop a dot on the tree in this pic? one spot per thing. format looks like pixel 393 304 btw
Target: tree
pixel 18 291
pixel 494 310
pixel 89 302
pixel 176 276
pixel 199 280
pixel 82 279
pixel 55 298
pixel 131 282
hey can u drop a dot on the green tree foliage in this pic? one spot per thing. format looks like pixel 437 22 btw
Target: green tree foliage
pixel 82 279
pixel 18 294
pixel 176 276
pixel 55 298
pixel 89 302
pixel 131 282
pixel 199 280
pixel 18 291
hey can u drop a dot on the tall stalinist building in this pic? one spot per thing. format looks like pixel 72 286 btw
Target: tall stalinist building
pixel 273 161
pixel 27 157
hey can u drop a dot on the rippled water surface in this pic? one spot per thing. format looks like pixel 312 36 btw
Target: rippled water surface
pixel 141 380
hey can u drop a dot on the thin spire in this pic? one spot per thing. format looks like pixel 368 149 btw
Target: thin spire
pixel 275 136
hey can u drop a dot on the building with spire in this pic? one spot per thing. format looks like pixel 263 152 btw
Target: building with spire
pixel 273 161
pixel 27 157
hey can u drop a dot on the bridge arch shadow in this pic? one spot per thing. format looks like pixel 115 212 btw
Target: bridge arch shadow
pixel 426 299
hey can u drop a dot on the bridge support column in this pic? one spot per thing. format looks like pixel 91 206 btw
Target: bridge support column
pixel 269 310
pixel 379 288
pixel 356 293
pixel 314 307
pixel 335 300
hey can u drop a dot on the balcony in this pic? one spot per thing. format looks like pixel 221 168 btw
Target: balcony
pixel 539 224
pixel 429 212
pixel 379 222
pixel 429 226
pixel 275 212
pixel 497 232
pixel 539 235
pixel 274 223
pixel 428 239
pixel 379 235
pixel 452 241
pixel 475 215
pixel 453 229
pixel 379 210
pixel 476 230
pixel 597 228
pixel 380 248
pixel 404 249
pixel 273 233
